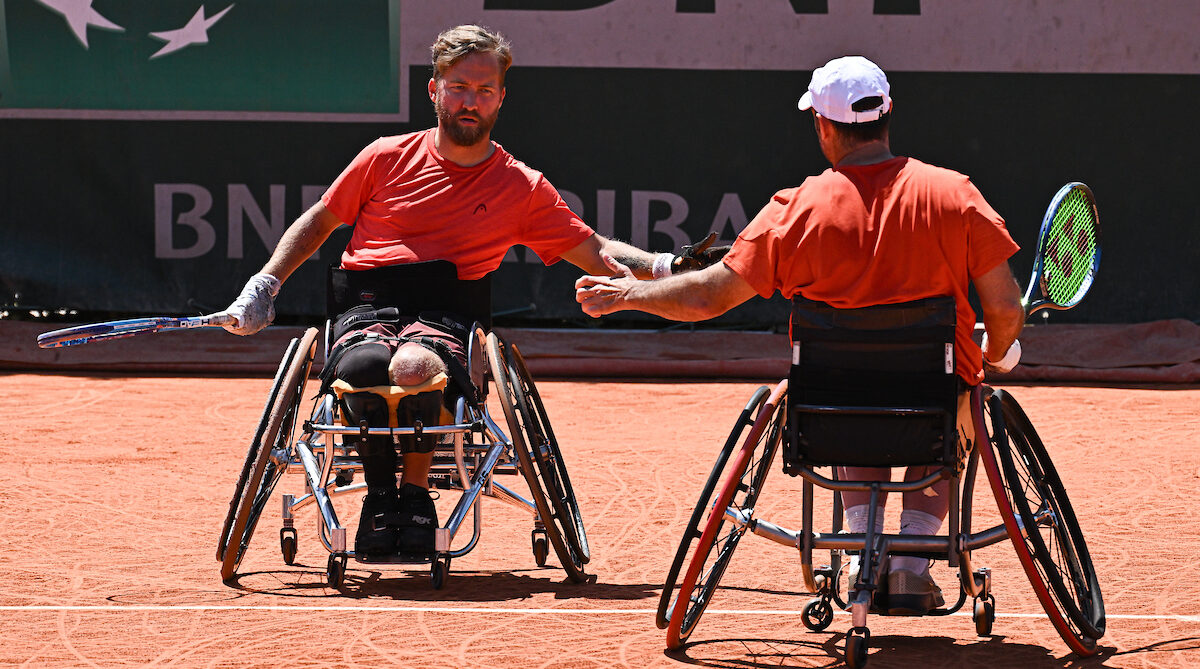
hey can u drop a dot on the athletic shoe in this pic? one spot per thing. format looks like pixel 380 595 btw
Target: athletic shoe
pixel 852 568
pixel 417 522
pixel 376 536
pixel 912 594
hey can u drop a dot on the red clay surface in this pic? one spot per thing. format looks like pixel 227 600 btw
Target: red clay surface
pixel 115 489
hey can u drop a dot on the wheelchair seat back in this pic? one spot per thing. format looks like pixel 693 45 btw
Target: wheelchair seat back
pixel 873 386
pixel 430 290
pixel 412 288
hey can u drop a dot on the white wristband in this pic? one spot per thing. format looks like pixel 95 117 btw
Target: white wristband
pixel 662 265
pixel 1011 357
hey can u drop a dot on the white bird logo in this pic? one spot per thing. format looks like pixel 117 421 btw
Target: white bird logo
pixel 195 32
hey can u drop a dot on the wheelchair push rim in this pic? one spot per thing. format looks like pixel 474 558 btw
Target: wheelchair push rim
pixel 695 527
pixel 539 457
pixel 1055 557
pixel 752 460
pixel 261 471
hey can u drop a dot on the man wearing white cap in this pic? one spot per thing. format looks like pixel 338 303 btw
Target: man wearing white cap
pixel 874 229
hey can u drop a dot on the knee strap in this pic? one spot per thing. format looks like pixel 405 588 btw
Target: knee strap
pixel 391 397
pixel 396 406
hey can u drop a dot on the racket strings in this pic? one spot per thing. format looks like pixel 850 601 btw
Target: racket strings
pixel 1071 247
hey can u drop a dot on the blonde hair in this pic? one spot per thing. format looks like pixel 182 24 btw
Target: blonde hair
pixel 461 41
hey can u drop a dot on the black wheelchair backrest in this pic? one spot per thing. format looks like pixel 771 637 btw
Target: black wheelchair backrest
pixel 872 386
pixel 412 288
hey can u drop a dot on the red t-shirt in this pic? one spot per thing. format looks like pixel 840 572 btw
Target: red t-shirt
pixel 864 235
pixel 407 204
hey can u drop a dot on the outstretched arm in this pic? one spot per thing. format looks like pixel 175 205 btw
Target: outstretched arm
pixel 691 296
pixel 254 308
pixel 589 256
pixel 300 241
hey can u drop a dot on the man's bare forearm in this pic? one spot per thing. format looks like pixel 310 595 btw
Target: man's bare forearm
pixel 640 262
pixel 300 241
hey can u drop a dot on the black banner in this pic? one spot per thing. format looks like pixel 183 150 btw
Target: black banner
pixel 171 216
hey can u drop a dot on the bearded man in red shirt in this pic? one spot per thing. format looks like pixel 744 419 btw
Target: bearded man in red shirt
pixel 448 193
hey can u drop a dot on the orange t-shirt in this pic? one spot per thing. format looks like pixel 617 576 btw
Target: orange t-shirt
pixel 864 235
pixel 407 204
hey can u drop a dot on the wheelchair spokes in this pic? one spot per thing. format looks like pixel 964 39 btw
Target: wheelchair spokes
pixel 694 526
pixel 729 517
pixel 1042 526
pixel 267 458
pixel 540 460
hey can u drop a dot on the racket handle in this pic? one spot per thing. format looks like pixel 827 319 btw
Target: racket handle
pixel 221 318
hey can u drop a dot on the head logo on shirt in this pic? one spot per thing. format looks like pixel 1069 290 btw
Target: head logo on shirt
pixel 482 207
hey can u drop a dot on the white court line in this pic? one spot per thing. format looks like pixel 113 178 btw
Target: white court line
pixel 480 609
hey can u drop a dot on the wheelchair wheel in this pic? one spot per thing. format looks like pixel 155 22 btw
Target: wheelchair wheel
pixel 1042 526
pixel 817 614
pixel 287 544
pixel 541 547
pixel 984 614
pixel 856 648
pixel 742 482
pixel 695 525
pixel 539 457
pixel 267 458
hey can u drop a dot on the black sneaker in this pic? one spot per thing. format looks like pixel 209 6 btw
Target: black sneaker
pixel 376 535
pixel 417 522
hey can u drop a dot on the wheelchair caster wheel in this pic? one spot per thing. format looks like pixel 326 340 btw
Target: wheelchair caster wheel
pixel 439 571
pixel 541 547
pixel 856 648
pixel 335 570
pixel 984 615
pixel 287 544
pixel 817 614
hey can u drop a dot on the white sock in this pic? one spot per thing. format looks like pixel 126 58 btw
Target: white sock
pixel 856 518
pixel 913 521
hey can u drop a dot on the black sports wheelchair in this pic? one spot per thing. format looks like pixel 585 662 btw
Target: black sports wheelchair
pixel 471 451
pixel 875 387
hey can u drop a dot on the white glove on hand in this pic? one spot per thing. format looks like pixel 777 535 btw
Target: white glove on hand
pixel 254 309
pixel 1011 357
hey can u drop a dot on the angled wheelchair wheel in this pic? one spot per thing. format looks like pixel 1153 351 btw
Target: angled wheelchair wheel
pixel 539 457
pixel 742 481
pixel 267 457
pixel 1042 526
pixel 695 525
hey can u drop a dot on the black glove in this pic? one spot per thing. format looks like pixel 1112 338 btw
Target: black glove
pixel 699 255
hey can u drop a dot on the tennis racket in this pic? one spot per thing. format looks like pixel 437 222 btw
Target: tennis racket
pixel 1068 251
pixel 82 334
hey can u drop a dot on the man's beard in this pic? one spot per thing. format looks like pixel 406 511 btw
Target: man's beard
pixel 460 134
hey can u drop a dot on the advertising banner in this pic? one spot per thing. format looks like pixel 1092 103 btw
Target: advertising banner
pixel 153 151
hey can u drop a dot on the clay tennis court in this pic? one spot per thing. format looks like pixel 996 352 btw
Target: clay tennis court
pixel 116 487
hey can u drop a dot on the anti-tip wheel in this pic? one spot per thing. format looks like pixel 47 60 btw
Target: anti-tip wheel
pixel 541 547
pixel 439 572
pixel 817 614
pixel 984 615
pixel 287 544
pixel 335 570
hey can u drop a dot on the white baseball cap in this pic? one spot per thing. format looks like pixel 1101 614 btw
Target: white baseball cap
pixel 840 83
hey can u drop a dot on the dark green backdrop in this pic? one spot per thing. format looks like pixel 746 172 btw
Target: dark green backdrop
pixel 77 197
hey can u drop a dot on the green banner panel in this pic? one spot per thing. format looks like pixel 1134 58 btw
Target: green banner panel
pixel 302 56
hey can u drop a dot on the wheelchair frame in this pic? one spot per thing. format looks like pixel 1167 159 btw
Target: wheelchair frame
pixel 1037 518
pixel 470 453
pixel 883 377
